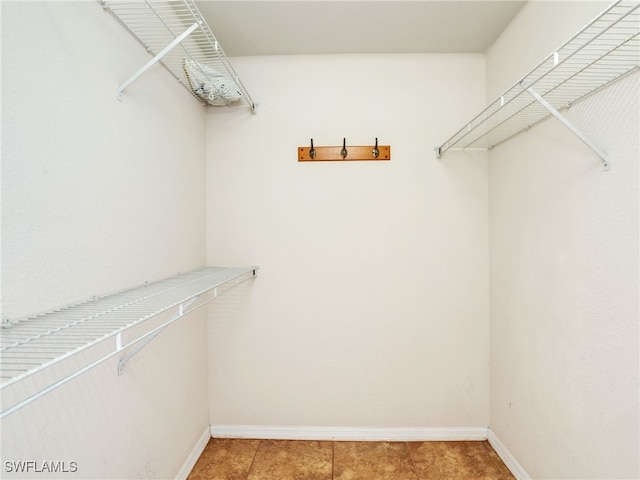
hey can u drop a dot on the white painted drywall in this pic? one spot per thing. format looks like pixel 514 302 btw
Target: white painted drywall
pixel 371 305
pixel 564 278
pixel 100 195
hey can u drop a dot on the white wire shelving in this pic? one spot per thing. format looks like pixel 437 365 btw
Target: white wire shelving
pixel 176 34
pixel 53 348
pixel 605 50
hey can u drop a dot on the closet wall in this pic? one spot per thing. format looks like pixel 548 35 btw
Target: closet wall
pixel 100 195
pixel 564 270
pixel 371 306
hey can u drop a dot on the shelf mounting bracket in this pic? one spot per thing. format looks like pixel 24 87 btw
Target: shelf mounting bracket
pixel 183 309
pixel 571 127
pixel 156 59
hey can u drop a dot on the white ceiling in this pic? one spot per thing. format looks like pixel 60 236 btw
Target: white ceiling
pixel 267 27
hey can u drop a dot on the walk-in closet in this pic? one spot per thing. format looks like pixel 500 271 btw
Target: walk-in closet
pixel 338 232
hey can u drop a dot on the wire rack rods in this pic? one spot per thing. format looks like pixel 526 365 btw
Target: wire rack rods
pixel 37 343
pixel 604 50
pixel 155 24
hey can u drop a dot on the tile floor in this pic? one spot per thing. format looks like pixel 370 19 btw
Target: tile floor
pixel 235 459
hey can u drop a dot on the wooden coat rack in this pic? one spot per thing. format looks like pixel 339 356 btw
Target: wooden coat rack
pixel 344 153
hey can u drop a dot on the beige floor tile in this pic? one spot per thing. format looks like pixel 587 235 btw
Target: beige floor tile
pixel 292 460
pixel 507 475
pixel 225 459
pixel 372 461
pixel 239 459
pixel 455 460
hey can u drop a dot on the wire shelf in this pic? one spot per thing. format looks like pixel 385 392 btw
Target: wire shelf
pixel 178 25
pixel 36 344
pixel 605 50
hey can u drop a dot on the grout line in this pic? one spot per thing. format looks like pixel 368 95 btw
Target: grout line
pixel 413 462
pixel 253 459
pixel 333 459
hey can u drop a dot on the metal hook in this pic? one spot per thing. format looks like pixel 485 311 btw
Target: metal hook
pixel 312 151
pixel 376 152
pixel 343 152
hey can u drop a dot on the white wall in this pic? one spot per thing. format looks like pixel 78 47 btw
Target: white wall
pixel 100 195
pixel 564 276
pixel 371 306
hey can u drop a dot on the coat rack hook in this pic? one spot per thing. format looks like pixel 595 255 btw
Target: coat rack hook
pixel 343 152
pixel 375 151
pixel 312 151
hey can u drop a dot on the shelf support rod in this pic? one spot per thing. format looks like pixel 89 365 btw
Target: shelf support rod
pixel 570 126
pixel 182 310
pixel 156 59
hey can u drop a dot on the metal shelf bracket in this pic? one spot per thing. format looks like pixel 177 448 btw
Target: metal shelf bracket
pixel 183 309
pixel 571 127
pixel 156 59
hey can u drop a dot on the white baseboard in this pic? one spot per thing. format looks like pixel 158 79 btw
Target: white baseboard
pixel 194 455
pixel 506 456
pixel 349 433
